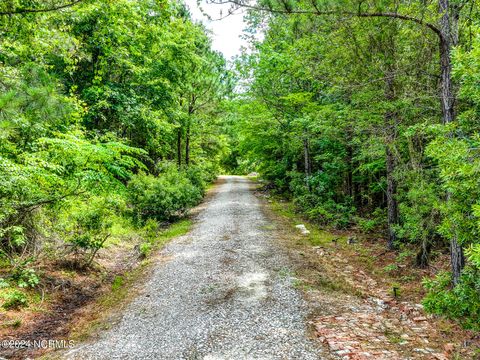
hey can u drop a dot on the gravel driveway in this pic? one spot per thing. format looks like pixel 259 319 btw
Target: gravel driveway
pixel 223 292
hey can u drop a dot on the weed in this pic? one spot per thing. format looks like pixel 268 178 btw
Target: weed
pixel 297 283
pixel 285 273
pixel 405 255
pixel 396 290
pixel 4 283
pixel 117 283
pixel 14 300
pixel 16 323
pixel 25 277
pixel 145 249
pixel 393 338
pixel 391 268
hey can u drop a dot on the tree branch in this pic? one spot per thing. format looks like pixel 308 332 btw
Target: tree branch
pixel 26 11
pixel 317 11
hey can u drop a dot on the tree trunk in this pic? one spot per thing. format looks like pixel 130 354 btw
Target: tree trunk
pixel 307 161
pixel 187 147
pixel 306 153
pixel 391 120
pixel 350 188
pixel 448 40
pixel 179 147
pixel 423 255
pixel 392 207
pixel 457 259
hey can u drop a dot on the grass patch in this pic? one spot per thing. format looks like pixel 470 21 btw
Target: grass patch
pixel 317 236
pixel 285 273
pixel 329 284
pixel 178 228
pixel 117 283
pixel 154 237
pixel 14 324
pixel 14 298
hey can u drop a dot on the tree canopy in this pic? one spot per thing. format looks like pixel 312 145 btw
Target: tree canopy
pixel 364 113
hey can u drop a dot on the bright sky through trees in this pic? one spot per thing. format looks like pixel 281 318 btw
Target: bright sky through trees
pixel 226 32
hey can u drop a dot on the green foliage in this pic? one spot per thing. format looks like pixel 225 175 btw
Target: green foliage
pixel 366 225
pixel 4 283
pixel 164 197
pixel 473 254
pixel 86 224
pixel 334 214
pixel 117 283
pixel 345 119
pixel 391 268
pixel 13 300
pixel 419 208
pixel 459 170
pixel 24 275
pixel 150 230
pixel 461 302
pixel 121 110
pixel 91 98
pixel 455 150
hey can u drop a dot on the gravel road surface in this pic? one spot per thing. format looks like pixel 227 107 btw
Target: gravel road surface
pixel 221 292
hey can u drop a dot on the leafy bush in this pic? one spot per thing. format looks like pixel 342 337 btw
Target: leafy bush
pixel 150 230
pixel 25 276
pixel 14 300
pixel 164 197
pixel 375 221
pixel 86 226
pixel 461 302
pixel 199 177
pixel 316 199
pixel 366 225
pixel 331 213
pixel 4 283
pixel 63 168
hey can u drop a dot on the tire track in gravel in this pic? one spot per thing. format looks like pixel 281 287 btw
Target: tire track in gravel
pixel 222 294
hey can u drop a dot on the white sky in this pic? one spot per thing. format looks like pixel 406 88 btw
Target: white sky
pixel 226 32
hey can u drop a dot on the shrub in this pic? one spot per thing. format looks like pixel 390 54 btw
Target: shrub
pixel 317 200
pixel 87 225
pixel 366 225
pixel 461 302
pixel 198 178
pixel 163 197
pixel 145 249
pixel 150 230
pixel 331 213
pixel 25 276
pixel 373 222
pixel 14 300
pixel 4 283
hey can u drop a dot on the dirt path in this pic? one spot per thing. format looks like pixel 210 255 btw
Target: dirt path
pixel 224 291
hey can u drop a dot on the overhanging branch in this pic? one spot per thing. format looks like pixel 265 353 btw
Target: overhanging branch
pixel 317 11
pixel 26 11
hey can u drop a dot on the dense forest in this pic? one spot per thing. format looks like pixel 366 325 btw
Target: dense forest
pixel 366 113
pixel 108 116
pixel 118 114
